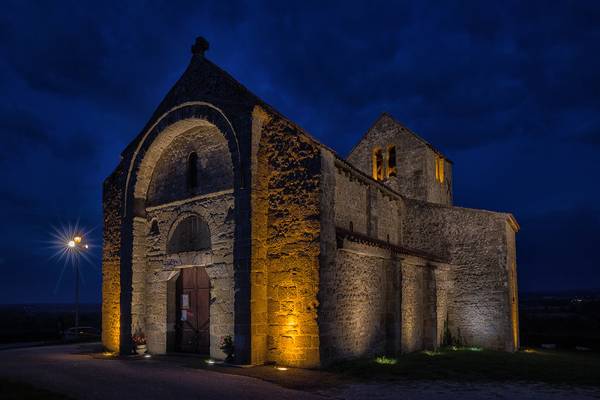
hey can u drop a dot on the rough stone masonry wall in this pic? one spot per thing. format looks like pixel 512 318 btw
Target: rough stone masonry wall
pixel 474 241
pixel 444 286
pixel 259 320
pixel 356 292
pixel 170 174
pixel 364 206
pixel 293 247
pixel 112 200
pixel 350 201
pixel 513 287
pixel 437 192
pixel 413 304
pixel 360 291
pixel 138 279
pixel 424 303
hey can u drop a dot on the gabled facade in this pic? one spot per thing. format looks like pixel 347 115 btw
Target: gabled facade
pixel 224 218
pixel 395 155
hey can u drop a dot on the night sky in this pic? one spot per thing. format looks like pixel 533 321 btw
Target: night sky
pixel 509 92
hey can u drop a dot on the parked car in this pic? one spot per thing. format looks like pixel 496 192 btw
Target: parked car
pixel 81 334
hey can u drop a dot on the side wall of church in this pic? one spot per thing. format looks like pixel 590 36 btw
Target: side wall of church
pixel 372 301
pixel 475 243
pixel 414 301
pixel 358 308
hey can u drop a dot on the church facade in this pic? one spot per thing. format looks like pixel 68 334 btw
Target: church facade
pixel 226 219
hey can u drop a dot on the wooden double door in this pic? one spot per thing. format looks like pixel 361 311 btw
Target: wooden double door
pixel 193 317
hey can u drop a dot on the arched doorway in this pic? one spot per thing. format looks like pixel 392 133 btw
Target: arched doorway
pixel 192 310
pixel 187 169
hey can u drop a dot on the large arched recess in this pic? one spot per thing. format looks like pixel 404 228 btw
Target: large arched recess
pixel 176 121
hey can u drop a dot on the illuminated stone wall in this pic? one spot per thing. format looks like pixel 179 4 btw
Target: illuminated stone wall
pixel 513 287
pixel 475 243
pixel 139 276
pixel 373 299
pixel 292 251
pixel 351 197
pixel 111 274
pixel 413 304
pixel 415 161
pixel 259 320
pixel 356 316
pixel 443 276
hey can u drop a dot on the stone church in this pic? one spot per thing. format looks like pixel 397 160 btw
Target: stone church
pixel 225 218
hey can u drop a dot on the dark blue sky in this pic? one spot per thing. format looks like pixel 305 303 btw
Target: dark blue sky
pixel 509 91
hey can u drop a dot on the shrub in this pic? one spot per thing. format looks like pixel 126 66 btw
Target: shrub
pixel 228 348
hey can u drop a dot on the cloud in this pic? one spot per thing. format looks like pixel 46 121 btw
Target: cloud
pixel 13 201
pixel 21 124
pixel 25 132
pixel 462 75
pixel 591 138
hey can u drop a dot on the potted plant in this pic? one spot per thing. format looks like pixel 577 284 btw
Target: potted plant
pixel 227 348
pixel 140 342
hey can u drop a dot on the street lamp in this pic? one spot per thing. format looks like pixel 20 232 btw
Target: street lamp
pixel 76 245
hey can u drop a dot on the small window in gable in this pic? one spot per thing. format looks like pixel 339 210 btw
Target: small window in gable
pixel 392 169
pixel 192 171
pixel 378 164
pixel 439 168
pixel 154 228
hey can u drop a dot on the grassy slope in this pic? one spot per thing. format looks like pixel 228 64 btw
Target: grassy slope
pixel 556 367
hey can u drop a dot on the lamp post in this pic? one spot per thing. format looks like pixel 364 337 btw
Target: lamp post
pixel 77 245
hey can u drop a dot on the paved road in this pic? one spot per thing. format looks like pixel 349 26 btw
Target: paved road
pixel 71 371
pixel 65 369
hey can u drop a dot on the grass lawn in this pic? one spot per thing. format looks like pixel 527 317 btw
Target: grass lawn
pixel 11 390
pixel 555 367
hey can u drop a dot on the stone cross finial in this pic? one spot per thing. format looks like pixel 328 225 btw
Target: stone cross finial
pixel 200 46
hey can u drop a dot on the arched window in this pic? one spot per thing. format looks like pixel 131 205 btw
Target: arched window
pixel 191 234
pixel 192 171
pixel 378 164
pixel 392 169
pixel 154 227
pixel 439 168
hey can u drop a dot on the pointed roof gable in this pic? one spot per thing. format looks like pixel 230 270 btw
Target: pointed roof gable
pixel 203 80
pixel 384 118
